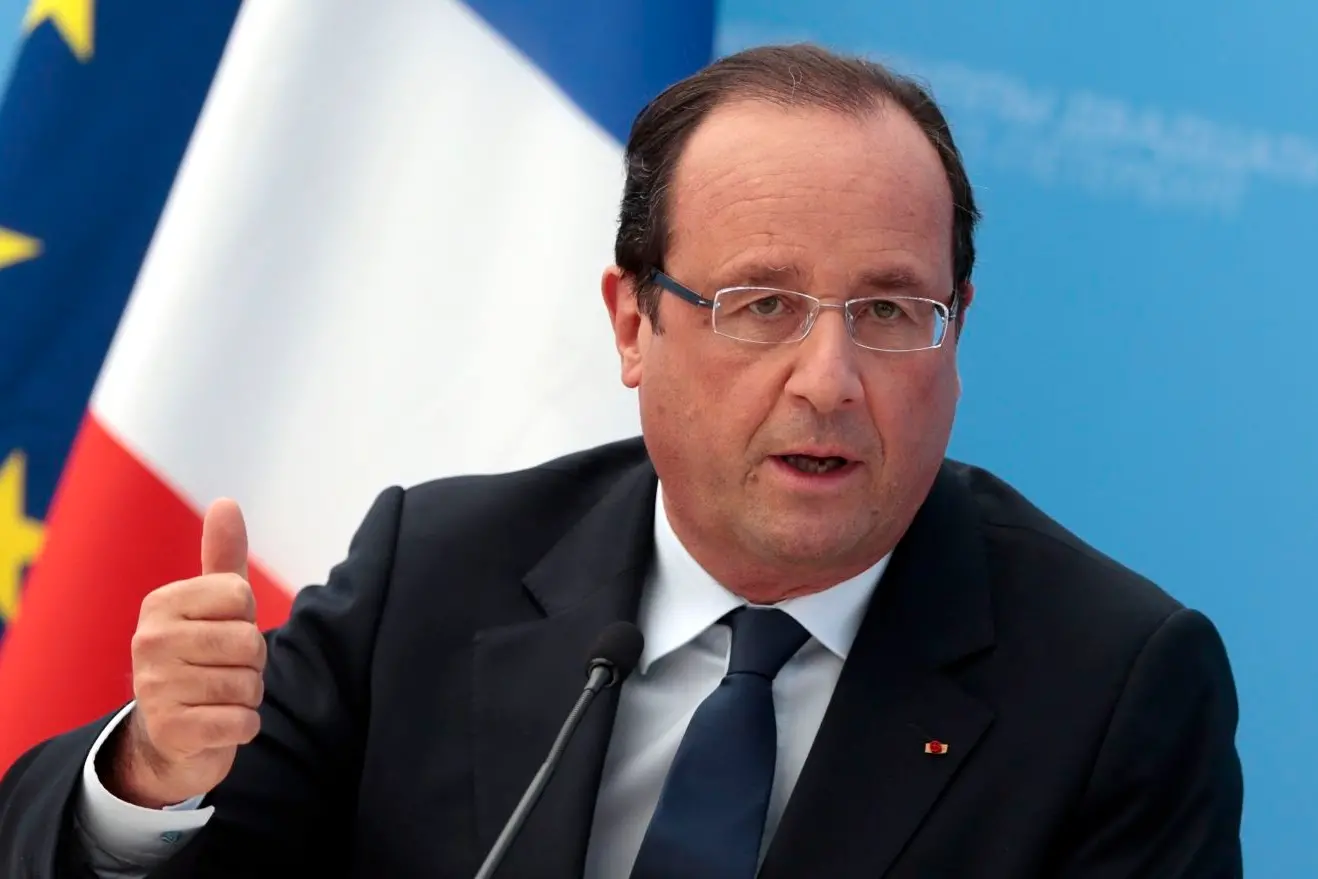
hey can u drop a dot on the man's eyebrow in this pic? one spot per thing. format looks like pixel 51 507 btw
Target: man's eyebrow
pixel 762 274
pixel 890 279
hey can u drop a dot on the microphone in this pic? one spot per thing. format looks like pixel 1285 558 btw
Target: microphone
pixel 614 656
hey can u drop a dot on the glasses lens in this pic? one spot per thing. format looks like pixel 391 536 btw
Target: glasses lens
pixel 898 324
pixel 761 314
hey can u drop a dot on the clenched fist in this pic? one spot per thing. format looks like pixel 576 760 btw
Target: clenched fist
pixel 198 659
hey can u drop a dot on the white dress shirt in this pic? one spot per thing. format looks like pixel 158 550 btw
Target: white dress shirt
pixel 686 654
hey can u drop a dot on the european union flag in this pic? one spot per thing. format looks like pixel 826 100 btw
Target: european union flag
pixel 100 106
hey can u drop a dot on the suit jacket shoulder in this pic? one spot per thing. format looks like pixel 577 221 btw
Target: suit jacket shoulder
pixel 1053 575
pixel 543 501
pixel 471 539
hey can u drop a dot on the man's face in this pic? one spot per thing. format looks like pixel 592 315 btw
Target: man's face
pixel 817 202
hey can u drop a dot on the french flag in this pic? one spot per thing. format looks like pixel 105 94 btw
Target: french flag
pixel 378 263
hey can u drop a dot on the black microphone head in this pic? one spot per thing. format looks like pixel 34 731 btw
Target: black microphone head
pixel 619 648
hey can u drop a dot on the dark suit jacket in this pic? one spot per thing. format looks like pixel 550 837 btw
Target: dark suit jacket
pixel 1090 718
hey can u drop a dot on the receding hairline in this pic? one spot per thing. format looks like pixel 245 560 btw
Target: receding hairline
pixel 880 107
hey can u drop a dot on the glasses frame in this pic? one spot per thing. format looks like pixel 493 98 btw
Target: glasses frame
pixel 949 310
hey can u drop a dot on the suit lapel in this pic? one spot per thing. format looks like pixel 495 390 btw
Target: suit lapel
pixel 527 677
pixel 868 782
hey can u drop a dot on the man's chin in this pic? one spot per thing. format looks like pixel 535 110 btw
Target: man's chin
pixel 808 541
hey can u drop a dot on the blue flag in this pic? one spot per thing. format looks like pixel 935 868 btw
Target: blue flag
pixel 101 103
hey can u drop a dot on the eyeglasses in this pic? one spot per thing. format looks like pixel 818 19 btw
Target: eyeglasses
pixel 769 316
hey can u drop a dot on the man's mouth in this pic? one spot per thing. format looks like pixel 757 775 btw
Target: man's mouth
pixel 813 464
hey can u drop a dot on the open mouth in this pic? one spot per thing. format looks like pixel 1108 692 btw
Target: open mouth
pixel 814 465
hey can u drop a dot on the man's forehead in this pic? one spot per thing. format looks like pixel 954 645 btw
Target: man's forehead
pixel 753 170
pixel 751 147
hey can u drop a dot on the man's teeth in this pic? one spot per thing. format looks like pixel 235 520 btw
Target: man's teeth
pixel 807 464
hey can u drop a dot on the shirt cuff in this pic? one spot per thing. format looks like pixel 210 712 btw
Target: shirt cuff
pixel 117 833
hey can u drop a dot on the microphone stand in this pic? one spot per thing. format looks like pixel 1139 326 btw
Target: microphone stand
pixel 601 676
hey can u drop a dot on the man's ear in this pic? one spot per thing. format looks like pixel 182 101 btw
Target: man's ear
pixel 631 330
pixel 966 296
pixel 963 306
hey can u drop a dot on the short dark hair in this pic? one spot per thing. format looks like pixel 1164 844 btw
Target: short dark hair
pixel 801 75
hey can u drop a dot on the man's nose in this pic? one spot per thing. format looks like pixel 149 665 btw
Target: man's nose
pixel 827 369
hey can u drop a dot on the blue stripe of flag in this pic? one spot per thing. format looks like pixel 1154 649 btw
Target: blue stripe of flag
pixel 609 56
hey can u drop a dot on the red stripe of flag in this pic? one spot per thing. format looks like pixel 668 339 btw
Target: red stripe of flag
pixel 115 532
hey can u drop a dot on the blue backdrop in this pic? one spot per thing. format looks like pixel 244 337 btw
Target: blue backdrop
pixel 1136 359
pixel 1138 356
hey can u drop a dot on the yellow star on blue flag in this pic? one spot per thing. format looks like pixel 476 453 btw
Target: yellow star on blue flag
pixel 74 19
pixel 16 248
pixel 20 535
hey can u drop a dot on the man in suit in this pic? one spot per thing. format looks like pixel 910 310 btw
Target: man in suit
pixel 861 659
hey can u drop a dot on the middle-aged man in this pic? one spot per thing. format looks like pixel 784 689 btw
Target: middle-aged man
pixel 861 659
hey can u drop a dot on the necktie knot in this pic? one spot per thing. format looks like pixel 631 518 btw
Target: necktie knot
pixel 763 639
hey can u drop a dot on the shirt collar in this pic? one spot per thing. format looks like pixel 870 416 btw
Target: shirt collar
pixel 682 600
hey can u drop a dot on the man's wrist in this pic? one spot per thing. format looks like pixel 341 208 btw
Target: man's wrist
pixel 125 767
pixel 118 835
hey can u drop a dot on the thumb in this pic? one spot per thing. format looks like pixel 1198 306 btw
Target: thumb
pixel 224 540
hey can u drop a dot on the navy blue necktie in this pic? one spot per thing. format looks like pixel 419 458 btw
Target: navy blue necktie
pixel 710 817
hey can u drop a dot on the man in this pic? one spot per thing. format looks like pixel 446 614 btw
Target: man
pixel 860 660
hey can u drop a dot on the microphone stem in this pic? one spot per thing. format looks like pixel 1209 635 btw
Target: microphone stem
pixel 600 677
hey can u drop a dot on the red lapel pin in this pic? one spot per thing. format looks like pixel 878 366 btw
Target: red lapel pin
pixel 935 747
